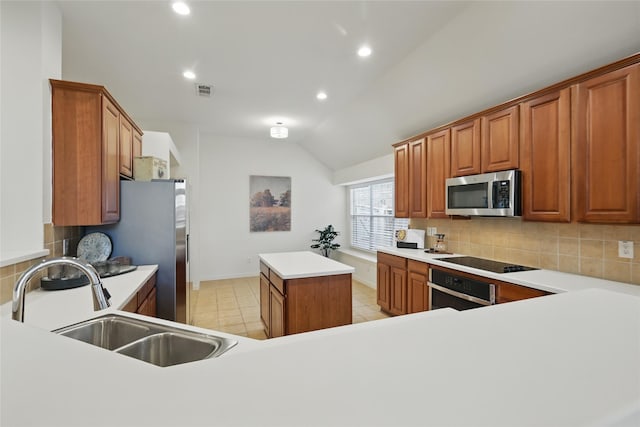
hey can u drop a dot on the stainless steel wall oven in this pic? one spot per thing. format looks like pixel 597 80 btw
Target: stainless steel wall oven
pixel 447 289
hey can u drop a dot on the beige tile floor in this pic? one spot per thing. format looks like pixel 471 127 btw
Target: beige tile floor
pixel 233 306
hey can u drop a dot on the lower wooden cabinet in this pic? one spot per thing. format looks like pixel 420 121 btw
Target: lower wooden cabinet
pixel 417 287
pixel 383 280
pixel 149 305
pixel 403 285
pixel 291 306
pixel 508 292
pixel 392 283
pixel 264 302
pixel 276 313
pixel 145 300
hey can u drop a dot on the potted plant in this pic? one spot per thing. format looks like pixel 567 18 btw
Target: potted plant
pixel 325 241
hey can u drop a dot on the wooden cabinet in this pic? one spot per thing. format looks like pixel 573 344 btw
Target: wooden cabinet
pixel 293 306
pixel 383 284
pixel 145 300
pixel 392 283
pixel 438 170
pixel 126 147
pixel 605 147
pixel 110 170
pixel 276 313
pixel 149 306
pixel 136 150
pixel 264 301
pixel 486 144
pixel 546 157
pixel 398 287
pixel 417 288
pixel 401 176
pixel 417 179
pixel 508 292
pixel 500 140
pixel 411 179
pixel 87 124
pixel 465 149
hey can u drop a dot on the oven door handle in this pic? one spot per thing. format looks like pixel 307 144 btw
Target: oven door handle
pixel 464 296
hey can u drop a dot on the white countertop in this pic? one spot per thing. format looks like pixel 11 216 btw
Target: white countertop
pixel 296 265
pixel 569 359
pixel 54 309
pixel 546 280
pixel 563 360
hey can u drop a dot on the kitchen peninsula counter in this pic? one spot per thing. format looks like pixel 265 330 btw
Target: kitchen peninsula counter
pixel 569 359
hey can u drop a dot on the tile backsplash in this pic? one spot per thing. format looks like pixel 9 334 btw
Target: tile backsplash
pixel 53 240
pixel 586 249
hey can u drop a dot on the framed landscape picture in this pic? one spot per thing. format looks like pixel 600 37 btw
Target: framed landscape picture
pixel 270 203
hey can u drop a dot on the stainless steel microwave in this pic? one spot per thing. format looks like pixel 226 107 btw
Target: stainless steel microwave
pixel 487 194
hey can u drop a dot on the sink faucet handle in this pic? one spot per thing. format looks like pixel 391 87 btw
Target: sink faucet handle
pixel 100 301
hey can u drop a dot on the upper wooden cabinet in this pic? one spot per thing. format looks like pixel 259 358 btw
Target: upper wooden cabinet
pixel 545 158
pixel 110 164
pixel 500 140
pixel 401 166
pixel 417 179
pixel 126 147
pixel 411 179
pixel 87 125
pixel 438 170
pixel 136 151
pixel 605 147
pixel 465 149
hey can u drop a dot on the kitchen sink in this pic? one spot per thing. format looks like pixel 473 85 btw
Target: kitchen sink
pixel 147 341
pixel 170 348
pixel 108 332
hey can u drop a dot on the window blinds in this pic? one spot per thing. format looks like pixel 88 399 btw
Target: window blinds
pixel 372 215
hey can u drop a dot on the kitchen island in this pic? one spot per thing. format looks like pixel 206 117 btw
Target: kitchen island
pixel 302 292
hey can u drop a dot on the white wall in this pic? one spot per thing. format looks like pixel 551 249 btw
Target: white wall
pixel 31 39
pixel 227 247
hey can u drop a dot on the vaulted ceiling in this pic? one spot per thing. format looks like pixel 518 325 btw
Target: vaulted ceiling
pixel 432 62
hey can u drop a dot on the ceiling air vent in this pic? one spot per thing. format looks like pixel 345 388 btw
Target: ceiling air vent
pixel 204 90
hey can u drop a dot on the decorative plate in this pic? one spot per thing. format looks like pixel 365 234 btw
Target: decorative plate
pixel 95 247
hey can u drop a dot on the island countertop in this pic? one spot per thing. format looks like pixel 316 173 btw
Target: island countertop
pixel 297 265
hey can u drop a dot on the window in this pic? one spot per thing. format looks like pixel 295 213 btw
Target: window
pixel 372 215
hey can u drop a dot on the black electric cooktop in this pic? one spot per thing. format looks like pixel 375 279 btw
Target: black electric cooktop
pixel 486 264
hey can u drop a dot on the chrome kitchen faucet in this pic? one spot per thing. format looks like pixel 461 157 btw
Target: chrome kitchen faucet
pixel 99 299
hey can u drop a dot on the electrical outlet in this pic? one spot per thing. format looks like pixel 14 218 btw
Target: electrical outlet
pixel 625 248
pixel 432 231
pixel 248 260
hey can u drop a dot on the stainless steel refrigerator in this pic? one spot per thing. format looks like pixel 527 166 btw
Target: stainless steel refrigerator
pixel 153 229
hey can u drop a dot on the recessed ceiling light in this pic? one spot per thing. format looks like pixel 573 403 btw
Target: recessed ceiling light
pixel 279 131
pixel 181 8
pixel 321 96
pixel 364 51
pixel 189 75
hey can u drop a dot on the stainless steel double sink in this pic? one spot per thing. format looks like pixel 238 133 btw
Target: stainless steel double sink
pixel 147 341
